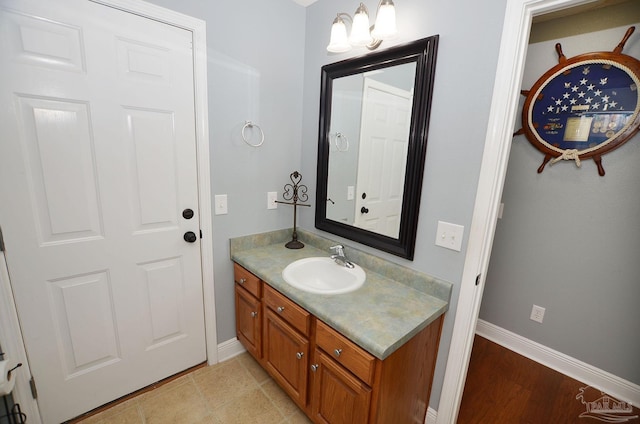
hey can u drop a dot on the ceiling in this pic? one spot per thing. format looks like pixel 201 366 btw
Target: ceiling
pixel 590 17
pixel 305 2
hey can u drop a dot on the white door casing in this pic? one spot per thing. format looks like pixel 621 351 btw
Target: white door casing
pixel 384 135
pixel 99 161
pixel 502 116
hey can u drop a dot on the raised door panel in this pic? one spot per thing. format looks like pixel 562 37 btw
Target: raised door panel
pixel 58 155
pixel 248 322
pixel 85 324
pixel 338 397
pixel 151 144
pixel 286 356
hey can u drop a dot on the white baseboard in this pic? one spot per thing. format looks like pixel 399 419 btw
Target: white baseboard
pixel 588 374
pixel 432 415
pixel 229 349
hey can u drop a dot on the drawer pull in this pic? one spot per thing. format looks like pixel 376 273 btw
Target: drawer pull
pixel 280 309
pixel 299 355
pixel 337 352
pixel 242 281
pixel 315 367
pixel 254 314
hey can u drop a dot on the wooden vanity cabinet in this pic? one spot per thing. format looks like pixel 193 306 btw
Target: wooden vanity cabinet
pixel 341 383
pixel 248 293
pixel 337 395
pixel 286 344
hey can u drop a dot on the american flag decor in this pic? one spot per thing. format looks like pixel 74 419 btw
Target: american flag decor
pixel 584 106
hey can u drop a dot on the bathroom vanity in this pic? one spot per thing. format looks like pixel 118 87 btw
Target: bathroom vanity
pixel 362 357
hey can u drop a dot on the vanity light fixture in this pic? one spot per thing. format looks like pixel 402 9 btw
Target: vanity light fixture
pixel 361 33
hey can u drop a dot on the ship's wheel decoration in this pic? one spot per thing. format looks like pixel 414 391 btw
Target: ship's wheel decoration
pixel 584 106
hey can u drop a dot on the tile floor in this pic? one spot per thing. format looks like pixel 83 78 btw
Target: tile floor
pixel 237 391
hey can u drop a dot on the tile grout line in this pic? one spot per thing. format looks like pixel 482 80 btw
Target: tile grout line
pixel 210 410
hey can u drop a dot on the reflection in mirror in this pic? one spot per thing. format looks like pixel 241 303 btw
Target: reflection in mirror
pixel 374 113
pixel 369 138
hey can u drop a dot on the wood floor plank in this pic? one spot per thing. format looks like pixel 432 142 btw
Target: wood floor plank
pixel 505 387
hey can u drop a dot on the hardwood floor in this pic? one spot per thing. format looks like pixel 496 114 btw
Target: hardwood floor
pixel 505 387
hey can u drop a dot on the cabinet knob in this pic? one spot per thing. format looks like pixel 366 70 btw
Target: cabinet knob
pixel 337 352
pixel 242 281
pixel 314 367
pixel 280 309
pixel 299 355
pixel 254 314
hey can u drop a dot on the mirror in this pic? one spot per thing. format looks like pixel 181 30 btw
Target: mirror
pixel 374 120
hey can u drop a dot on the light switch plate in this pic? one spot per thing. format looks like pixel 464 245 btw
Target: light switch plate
pixel 220 201
pixel 351 192
pixel 272 196
pixel 449 235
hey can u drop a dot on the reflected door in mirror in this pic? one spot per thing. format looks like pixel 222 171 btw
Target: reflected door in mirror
pixel 386 116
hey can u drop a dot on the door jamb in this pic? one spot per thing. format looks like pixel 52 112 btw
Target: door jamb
pixel 505 100
pixel 9 324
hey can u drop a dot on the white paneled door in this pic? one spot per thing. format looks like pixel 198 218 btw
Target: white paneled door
pixel 384 140
pixel 97 165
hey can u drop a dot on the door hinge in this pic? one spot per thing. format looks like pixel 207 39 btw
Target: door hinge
pixel 34 390
pixel 478 279
pixel 1 241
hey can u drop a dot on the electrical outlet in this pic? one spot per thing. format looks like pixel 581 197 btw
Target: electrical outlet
pixel 537 313
pixel 272 196
pixel 220 201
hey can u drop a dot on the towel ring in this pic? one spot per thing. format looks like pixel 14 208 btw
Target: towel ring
pixel 344 143
pixel 250 124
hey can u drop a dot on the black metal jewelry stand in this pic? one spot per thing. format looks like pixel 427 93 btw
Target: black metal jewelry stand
pixel 13 414
pixel 294 192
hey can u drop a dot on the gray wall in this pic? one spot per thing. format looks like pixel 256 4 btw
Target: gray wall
pixel 464 79
pixel 265 66
pixel 569 241
pixel 255 63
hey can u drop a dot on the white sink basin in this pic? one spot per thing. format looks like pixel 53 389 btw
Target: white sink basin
pixel 323 275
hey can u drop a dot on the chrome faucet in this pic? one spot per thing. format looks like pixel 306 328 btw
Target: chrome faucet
pixel 339 257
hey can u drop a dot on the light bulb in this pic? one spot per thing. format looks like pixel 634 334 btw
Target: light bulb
pixel 385 26
pixel 360 35
pixel 339 42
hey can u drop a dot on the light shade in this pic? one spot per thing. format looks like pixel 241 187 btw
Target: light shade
pixel 339 41
pixel 360 35
pixel 385 26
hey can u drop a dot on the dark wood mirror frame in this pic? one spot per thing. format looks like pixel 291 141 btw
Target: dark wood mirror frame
pixel 423 53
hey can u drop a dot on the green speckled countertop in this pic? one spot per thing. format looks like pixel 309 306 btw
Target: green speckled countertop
pixel 394 304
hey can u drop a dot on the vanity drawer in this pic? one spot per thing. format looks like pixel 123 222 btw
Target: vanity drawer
pixel 345 352
pixel 245 279
pixel 297 317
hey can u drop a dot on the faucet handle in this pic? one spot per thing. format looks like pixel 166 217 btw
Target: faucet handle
pixel 339 249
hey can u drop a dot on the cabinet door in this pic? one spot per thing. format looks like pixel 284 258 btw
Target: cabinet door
pixel 338 397
pixel 286 356
pixel 248 322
